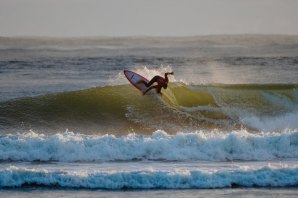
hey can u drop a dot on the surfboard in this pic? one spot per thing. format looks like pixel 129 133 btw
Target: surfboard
pixel 135 79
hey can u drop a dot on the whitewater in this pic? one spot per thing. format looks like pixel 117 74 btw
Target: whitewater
pixel 70 122
pixel 160 146
pixel 148 175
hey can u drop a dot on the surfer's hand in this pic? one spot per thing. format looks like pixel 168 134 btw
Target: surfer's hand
pixel 172 73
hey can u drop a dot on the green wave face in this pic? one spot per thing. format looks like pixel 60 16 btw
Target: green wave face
pixel 122 109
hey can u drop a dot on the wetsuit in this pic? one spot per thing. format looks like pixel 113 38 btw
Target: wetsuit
pixel 161 83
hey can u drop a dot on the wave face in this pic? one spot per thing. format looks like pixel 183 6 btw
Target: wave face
pixel 119 109
pixel 70 147
pixel 151 179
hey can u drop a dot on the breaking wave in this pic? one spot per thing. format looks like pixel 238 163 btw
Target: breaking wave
pixel 211 146
pixel 151 179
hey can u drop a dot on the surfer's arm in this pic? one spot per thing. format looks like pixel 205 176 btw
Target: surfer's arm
pixel 166 75
pixel 158 90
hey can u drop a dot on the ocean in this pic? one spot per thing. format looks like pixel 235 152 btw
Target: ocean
pixel 71 125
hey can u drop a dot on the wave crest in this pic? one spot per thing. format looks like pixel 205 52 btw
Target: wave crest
pixel 211 146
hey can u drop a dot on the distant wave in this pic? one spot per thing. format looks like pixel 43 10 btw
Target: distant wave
pixel 212 146
pixel 262 177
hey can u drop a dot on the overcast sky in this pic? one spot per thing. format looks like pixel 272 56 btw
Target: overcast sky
pixel 147 17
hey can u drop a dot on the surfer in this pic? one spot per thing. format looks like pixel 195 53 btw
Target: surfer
pixel 161 83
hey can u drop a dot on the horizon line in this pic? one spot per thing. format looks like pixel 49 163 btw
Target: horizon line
pixel 143 36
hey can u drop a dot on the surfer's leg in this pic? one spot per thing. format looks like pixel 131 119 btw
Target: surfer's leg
pixel 148 90
pixel 153 80
pixel 152 87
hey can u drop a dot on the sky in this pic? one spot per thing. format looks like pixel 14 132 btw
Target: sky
pixel 73 18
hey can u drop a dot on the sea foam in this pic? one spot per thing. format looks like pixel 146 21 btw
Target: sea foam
pixel 150 179
pixel 210 146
